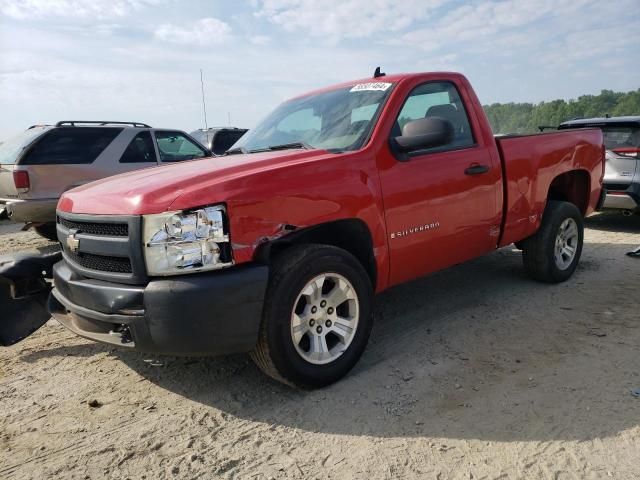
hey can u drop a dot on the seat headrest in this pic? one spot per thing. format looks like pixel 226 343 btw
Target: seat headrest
pixel 449 112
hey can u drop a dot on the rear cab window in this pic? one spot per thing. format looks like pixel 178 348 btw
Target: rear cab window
pixel 176 147
pixel 70 145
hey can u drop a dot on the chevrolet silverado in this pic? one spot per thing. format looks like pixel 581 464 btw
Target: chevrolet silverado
pixel 277 248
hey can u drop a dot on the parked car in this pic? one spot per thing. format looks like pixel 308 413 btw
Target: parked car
pixel 218 139
pixel 622 171
pixel 39 164
pixel 328 201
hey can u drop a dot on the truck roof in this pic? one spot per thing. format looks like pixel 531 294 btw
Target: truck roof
pixel 392 78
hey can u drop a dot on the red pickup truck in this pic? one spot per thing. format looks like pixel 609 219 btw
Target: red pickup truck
pixel 278 247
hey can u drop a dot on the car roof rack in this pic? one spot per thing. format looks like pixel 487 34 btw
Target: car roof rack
pixel 221 128
pixel 101 122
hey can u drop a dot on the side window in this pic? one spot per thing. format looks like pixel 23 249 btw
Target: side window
pixel 175 147
pixel 70 145
pixel 437 99
pixel 140 150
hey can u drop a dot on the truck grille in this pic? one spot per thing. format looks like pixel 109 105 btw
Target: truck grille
pixel 101 263
pixel 111 229
pixel 104 247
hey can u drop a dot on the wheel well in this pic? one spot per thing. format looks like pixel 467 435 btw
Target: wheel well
pixel 351 235
pixel 571 187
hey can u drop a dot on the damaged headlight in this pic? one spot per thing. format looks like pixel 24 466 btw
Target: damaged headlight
pixel 183 242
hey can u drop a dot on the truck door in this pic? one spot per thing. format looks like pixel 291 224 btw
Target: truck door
pixel 441 203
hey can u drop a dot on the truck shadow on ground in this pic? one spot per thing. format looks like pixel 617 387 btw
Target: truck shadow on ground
pixel 613 221
pixel 478 351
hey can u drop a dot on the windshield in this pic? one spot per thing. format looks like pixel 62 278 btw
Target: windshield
pixel 336 120
pixel 11 148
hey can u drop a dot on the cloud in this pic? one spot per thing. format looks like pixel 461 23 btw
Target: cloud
pixel 260 39
pixel 207 31
pixel 337 19
pixel 144 65
pixel 29 9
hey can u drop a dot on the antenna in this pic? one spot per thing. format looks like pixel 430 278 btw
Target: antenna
pixel 378 73
pixel 204 105
pixel 229 117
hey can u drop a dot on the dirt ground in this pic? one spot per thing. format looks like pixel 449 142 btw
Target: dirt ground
pixel 476 372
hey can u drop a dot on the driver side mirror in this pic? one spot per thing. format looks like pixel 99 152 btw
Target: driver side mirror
pixel 424 133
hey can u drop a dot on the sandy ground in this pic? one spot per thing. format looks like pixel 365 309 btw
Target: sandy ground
pixel 476 372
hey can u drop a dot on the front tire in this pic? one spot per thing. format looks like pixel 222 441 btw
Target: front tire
pixel 317 316
pixel 551 255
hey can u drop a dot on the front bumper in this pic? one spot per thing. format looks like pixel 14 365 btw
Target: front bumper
pixel 26 211
pixel 198 314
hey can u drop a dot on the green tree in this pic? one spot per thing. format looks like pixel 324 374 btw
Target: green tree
pixel 526 117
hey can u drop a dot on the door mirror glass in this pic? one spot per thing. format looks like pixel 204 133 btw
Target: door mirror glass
pixel 425 133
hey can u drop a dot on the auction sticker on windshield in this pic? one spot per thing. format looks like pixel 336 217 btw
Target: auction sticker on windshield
pixel 374 86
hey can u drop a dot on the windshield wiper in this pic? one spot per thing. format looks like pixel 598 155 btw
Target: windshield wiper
pixel 271 148
pixel 286 146
pixel 236 150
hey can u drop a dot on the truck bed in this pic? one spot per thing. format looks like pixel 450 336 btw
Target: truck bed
pixel 531 162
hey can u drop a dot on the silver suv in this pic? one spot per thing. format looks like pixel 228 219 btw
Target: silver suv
pixel 41 163
pixel 622 171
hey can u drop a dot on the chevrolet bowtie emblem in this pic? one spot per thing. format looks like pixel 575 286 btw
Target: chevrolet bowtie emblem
pixel 72 242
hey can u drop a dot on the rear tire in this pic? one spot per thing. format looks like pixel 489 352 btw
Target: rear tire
pixel 317 316
pixel 552 253
pixel 48 231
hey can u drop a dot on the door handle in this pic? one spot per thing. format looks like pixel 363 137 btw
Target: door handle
pixel 476 170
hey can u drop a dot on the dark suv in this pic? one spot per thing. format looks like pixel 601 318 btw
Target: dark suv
pixel 218 139
pixel 44 161
pixel 622 171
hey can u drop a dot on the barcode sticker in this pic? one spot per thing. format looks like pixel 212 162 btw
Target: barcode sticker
pixel 373 86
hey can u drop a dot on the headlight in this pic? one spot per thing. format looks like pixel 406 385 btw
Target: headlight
pixel 183 242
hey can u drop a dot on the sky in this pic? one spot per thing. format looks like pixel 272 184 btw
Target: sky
pixel 140 60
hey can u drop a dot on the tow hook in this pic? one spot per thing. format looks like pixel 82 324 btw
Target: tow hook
pixel 122 332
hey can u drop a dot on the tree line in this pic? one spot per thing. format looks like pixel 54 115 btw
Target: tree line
pixel 526 117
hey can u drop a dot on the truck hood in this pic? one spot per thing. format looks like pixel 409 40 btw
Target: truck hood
pixel 157 189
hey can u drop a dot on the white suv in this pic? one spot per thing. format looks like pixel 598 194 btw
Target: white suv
pixel 41 163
